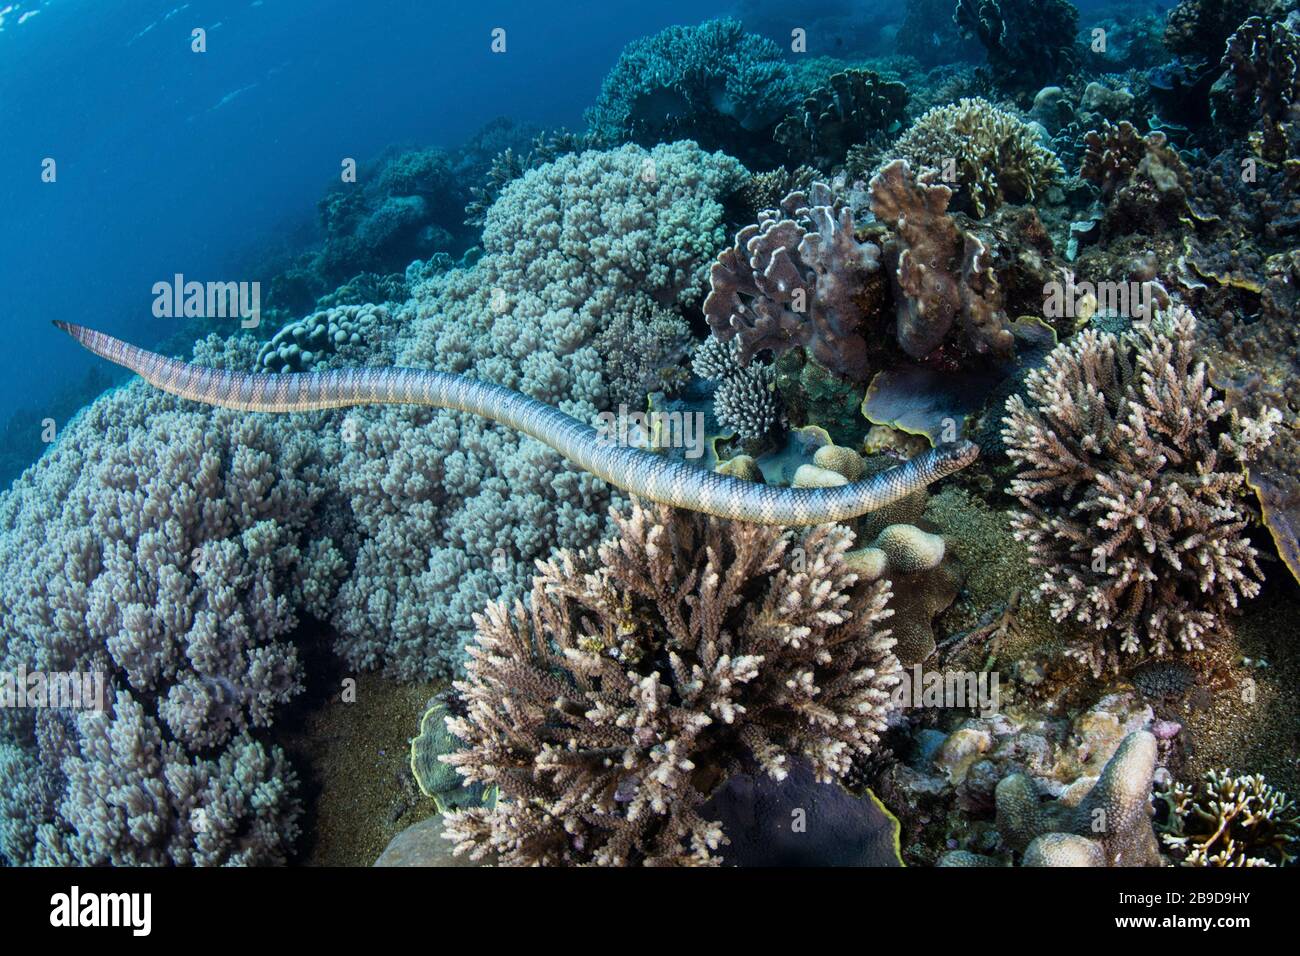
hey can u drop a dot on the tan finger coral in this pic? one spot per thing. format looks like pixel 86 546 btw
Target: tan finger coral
pixel 641 676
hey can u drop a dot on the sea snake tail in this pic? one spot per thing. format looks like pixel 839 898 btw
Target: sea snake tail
pixel 641 473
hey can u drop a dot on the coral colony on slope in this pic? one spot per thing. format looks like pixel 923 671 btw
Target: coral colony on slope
pixel 1069 238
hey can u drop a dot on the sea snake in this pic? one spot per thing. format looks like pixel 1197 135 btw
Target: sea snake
pixel 641 473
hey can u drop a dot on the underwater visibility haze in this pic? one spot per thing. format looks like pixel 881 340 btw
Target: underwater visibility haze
pixel 746 434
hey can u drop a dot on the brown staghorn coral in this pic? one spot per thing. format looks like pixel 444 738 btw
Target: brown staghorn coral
pixel 992 155
pixel 795 279
pixel 683 650
pixel 942 275
pixel 1131 482
pixel 1227 820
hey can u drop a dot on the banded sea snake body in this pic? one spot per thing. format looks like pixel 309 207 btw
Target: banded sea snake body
pixel 644 474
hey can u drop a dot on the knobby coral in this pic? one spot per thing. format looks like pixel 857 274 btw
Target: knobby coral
pixel 1103 821
pixel 642 676
pixel 1131 483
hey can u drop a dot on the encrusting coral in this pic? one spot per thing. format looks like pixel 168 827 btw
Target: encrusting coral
pixel 794 280
pixel 1131 483
pixel 1223 819
pixel 641 677
pixel 991 155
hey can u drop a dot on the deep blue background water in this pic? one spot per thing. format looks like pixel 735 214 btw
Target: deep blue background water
pixel 171 161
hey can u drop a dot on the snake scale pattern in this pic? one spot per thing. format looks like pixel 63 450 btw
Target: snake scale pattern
pixel 641 473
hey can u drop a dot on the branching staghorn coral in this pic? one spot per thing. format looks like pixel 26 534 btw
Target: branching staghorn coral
pixel 1131 483
pixel 995 157
pixel 942 276
pixel 795 280
pixel 1227 820
pixel 684 650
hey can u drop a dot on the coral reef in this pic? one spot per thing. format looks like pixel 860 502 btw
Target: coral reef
pixel 452 510
pixel 1106 822
pixel 305 345
pixel 178 549
pixel 1131 487
pixel 941 275
pixel 1228 820
pixel 642 676
pixel 1029 43
pixel 994 156
pixel 713 83
pixel 854 108
pixel 795 280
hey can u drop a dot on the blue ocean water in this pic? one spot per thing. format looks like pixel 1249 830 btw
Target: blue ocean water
pixel 204 164
pixel 174 161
